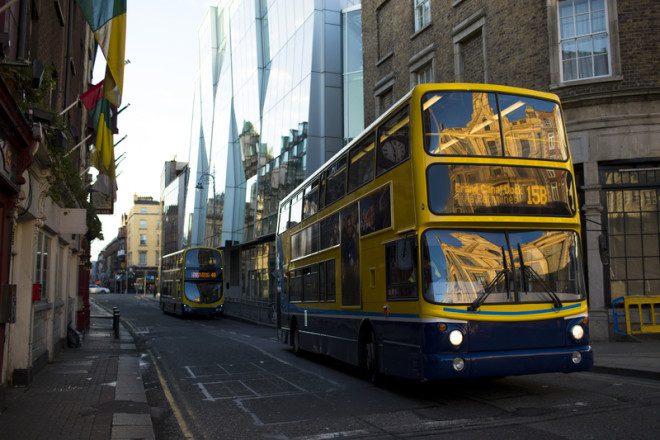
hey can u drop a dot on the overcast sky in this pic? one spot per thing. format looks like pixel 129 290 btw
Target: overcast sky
pixel 161 44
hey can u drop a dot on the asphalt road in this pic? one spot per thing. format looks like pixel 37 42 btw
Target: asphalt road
pixel 227 379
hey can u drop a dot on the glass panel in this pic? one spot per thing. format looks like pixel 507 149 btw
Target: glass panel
pixel 569 69
pixel 567 28
pixel 330 280
pixel 401 281
pixel 582 24
pixel 618 288
pixel 311 284
pixel 634 268
pixel 460 123
pixel 585 67
pixel 649 222
pixel 615 224
pixel 618 268
pixel 375 212
pixel 617 246
pixel 536 121
pixel 488 189
pixel 393 141
pixel 650 244
pixel 203 293
pixel 652 268
pixel 350 256
pixel 361 163
pixel 330 231
pixel 633 245
pixel 585 47
pixel 581 6
pixel 568 50
pixel 598 21
pixel 633 223
pixel 460 266
pixel 336 187
pixel 635 287
pixel 652 287
pixel 565 8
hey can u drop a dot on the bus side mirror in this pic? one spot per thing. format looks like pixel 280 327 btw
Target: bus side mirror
pixel 603 250
pixel 404 256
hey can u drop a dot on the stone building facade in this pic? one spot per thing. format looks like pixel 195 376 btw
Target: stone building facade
pixel 599 57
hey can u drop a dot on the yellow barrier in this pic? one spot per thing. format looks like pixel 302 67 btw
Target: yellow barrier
pixel 642 302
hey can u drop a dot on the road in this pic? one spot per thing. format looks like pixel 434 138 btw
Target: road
pixel 226 379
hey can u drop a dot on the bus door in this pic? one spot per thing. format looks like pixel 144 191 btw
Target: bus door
pixel 350 257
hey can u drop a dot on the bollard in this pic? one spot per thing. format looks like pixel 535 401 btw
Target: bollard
pixel 115 321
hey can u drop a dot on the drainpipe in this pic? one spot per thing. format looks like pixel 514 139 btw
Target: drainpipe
pixel 21 47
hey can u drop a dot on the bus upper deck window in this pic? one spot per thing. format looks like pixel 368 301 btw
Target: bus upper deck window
pixel 393 141
pixel 311 202
pixel 361 163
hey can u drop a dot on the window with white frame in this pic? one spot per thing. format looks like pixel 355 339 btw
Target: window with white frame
pixel 584 42
pixel 143 239
pixel 423 75
pixel 143 224
pixel 41 263
pixel 422 13
pixel 143 258
pixel 143 210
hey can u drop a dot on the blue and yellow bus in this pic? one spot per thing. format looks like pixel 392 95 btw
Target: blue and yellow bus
pixel 443 242
pixel 191 282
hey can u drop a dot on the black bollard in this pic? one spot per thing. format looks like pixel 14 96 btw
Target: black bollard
pixel 115 321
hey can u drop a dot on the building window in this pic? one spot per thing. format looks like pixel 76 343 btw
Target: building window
pixel 143 239
pixel 469 39
pixel 143 224
pixel 143 210
pixel 41 263
pixel 422 13
pixel 423 75
pixel 384 101
pixel 583 39
pixel 143 258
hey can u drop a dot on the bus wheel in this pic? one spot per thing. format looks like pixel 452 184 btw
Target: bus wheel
pixel 371 358
pixel 295 340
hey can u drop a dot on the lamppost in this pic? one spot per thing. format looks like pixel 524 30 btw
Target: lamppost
pixel 201 186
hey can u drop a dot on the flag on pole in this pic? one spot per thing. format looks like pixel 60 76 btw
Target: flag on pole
pixel 103 157
pixel 92 96
pixel 107 19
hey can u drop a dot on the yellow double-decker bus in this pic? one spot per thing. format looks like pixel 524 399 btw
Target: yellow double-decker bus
pixel 191 282
pixel 442 242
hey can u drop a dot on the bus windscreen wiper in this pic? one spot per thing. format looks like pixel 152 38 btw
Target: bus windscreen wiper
pixel 502 273
pixel 535 276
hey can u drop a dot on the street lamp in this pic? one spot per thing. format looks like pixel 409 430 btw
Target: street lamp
pixel 201 186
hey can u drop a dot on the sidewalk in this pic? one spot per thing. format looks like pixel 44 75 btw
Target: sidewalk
pixel 639 356
pixel 91 392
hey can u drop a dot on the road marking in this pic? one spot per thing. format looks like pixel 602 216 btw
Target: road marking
pixel 339 434
pixel 192 375
pixel 168 394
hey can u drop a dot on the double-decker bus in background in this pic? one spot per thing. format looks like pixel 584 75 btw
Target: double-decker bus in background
pixel 443 242
pixel 191 282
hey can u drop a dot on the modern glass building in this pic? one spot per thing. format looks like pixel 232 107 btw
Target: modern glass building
pixel 279 92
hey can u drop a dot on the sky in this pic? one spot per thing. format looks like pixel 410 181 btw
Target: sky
pixel 162 46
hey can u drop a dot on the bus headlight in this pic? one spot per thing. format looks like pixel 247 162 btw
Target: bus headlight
pixel 577 332
pixel 456 338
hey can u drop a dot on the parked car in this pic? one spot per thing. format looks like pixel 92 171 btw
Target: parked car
pixel 95 288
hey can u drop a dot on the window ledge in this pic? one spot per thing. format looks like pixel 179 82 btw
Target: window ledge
pixel 385 57
pixel 425 27
pixel 580 82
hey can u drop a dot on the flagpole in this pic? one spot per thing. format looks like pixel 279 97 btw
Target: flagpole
pixel 69 107
pixel 7 5
pixel 119 141
pixel 79 144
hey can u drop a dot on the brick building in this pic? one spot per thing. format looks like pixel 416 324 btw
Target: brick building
pixel 599 56
pixel 46 59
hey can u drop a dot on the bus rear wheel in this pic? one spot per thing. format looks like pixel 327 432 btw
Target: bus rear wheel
pixel 371 358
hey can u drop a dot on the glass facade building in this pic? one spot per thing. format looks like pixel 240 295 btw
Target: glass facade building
pixel 276 80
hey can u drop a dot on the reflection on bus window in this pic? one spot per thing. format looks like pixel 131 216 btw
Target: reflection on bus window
pixel 203 293
pixel 393 141
pixel 499 189
pixel 470 124
pixel 513 267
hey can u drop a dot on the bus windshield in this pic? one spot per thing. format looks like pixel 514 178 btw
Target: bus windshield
pixel 462 123
pixel 203 293
pixel 459 266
